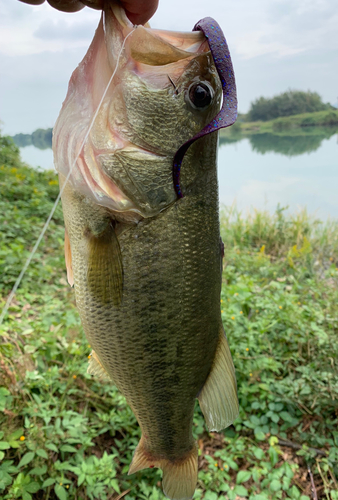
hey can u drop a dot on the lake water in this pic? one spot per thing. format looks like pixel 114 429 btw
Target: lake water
pixel 265 170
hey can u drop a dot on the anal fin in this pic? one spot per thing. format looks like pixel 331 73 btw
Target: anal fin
pixel 96 368
pixel 218 397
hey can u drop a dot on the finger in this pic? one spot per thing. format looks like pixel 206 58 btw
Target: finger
pixel 32 2
pixel 66 5
pixel 94 4
pixel 139 11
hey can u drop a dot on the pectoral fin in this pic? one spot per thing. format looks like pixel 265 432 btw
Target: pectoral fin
pixel 218 398
pixel 105 269
pixel 68 259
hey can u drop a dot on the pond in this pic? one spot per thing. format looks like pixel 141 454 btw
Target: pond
pixel 265 170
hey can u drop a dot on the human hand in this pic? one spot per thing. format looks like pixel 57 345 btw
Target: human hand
pixel 138 11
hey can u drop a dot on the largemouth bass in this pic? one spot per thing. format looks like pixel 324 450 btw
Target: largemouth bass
pixel 143 242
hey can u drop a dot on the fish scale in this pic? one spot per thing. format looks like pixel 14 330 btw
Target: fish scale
pixel 161 297
pixel 146 266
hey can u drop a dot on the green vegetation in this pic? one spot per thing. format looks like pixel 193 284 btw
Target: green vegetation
pixel 292 102
pixel 40 138
pixel 65 435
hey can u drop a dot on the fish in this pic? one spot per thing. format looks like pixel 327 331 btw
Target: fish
pixel 142 232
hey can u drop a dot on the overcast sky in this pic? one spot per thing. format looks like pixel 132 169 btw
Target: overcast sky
pixel 275 45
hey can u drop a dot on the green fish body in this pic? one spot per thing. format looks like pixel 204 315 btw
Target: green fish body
pixel 147 266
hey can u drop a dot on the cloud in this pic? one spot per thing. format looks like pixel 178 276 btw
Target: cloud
pixel 274 45
pixel 63 30
pixel 23 28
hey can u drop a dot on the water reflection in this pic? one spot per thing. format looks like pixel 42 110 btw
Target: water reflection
pixel 270 174
pixel 302 141
pixel 259 171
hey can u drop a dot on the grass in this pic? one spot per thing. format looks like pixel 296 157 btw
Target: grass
pixel 65 435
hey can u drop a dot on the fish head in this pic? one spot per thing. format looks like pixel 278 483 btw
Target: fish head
pixel 136 97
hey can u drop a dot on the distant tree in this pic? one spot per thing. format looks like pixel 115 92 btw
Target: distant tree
pixel 292 102
pixel 40 138
pixel 22 140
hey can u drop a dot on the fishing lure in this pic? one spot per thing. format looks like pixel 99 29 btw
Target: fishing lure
pixel 228 113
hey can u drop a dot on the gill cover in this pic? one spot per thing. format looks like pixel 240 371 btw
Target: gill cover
pixel 228 113
pixel 93 141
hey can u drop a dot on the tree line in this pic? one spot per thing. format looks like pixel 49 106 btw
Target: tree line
pixel 291 102
pixel 40 138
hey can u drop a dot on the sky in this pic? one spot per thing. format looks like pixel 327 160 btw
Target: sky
pixel 275 45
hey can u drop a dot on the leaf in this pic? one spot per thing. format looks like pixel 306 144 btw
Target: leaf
pixel 15 444
pixel 4 445
pixel 210 495
pixel 1 455
pixel 52 447
pixel 255 420
pixel 273 456
pixel 231 495
pixel 275 418
pixel 38 471
pixel 259 453
pixel 68 447
pixel 231 464
pixel 294 492
pixel 32 487
pixel 80 479
pixel 241 491
pixel 48 482
pixel 275 485
pixel 15 435
pixel 242 476
pixel 60 492
pixel 42 453
pixel 5 480
pixel 28 457
pixel 259 434
pixel 286 416
pixel 26 496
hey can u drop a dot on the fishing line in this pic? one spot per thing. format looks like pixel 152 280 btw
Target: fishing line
pixel 44 229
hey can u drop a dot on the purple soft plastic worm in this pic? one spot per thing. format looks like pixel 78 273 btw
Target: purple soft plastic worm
pixel 228 114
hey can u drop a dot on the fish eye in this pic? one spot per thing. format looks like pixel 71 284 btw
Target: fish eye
pixel 200 94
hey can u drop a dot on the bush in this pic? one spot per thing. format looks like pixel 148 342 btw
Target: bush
pixel 288 103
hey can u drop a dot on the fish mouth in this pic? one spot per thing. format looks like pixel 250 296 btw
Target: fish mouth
pixel 152 46
pixel 153 54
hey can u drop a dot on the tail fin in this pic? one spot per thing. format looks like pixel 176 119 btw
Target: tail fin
pixel 179 476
